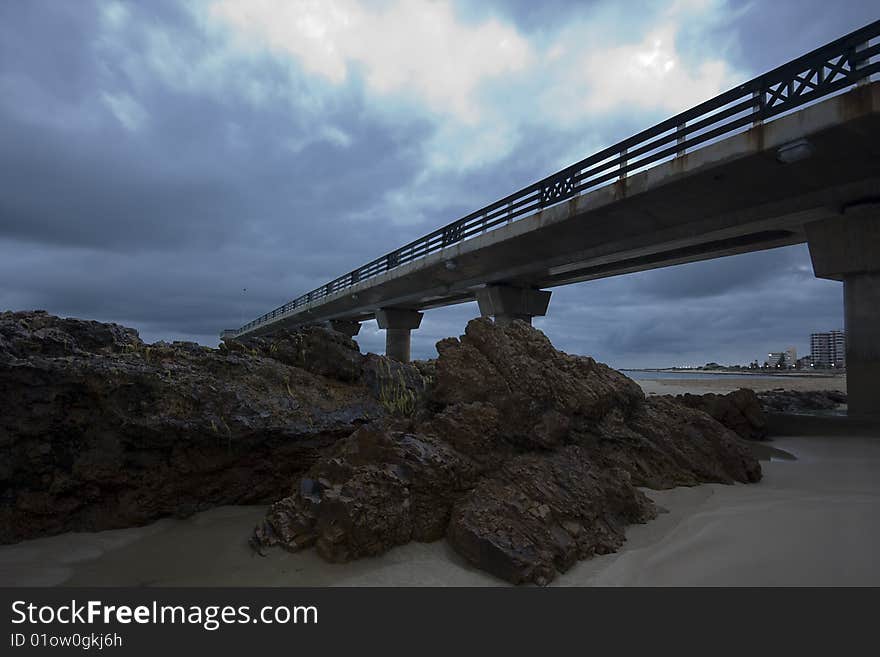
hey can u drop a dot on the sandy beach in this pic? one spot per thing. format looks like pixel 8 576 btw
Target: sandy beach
pixel 813 520
pixel 728 383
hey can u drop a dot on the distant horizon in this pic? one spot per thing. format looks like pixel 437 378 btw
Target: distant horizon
pixel 417 348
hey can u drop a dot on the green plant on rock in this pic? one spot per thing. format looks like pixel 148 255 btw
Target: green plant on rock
pixel 395 396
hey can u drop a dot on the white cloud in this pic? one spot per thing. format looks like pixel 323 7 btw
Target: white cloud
pixel 481 84
pixel 650 75
pixel 126 109
pixel 329 134
pixel 647 75
pixel 408 47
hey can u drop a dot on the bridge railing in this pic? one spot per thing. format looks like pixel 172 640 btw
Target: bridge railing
pixel 822 72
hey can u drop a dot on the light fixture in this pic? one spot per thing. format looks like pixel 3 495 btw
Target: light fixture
pixel 794 151
pixel 451 265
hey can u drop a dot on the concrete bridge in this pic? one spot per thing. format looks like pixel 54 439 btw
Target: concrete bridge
pixel 791 156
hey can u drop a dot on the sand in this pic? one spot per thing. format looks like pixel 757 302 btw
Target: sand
pixel 813 520
pixel 729 383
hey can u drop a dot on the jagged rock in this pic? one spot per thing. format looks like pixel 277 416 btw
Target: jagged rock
pixel 524 457
pixel 37 332
pixel 542 395
pixel 800 401
pixel 376 489
pixel 739 410
pixel 664 444
pixel 538 514
pixel 529 462
pixel 317 349
pixel 99 430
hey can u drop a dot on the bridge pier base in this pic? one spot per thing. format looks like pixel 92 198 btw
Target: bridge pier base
pixel 346 327
pixel 848 249
pixel 506 303
pixel 398 324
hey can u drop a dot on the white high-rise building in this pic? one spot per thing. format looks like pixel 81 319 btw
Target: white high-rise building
pixel 828 349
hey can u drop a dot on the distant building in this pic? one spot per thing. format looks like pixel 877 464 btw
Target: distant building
pixel 804 363
pixel 828 349
pixel 782 359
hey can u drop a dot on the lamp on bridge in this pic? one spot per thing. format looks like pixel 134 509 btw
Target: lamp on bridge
pixel 794 151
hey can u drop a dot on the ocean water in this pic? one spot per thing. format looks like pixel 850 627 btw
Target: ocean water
pixel 645 375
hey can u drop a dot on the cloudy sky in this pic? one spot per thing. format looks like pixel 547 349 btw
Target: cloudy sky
pixel 182 167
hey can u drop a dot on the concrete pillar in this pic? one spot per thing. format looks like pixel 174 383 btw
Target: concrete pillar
pixel 847 249
pixel 506 303
pixel 861 294
pixel 398 322
pixel 345 326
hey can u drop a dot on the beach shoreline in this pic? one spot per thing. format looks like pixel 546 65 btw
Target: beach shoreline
pixel 701 386
pixel 810 521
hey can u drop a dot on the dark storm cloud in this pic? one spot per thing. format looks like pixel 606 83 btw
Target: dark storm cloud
pixel 764 35
pixel 179 179
pixel 197 216
pixel 190 189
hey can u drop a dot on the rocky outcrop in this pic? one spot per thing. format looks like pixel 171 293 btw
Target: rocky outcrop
pixel 740 410
pixel 99 430
pixel 801 401
pixel 316 349
pixel 524 457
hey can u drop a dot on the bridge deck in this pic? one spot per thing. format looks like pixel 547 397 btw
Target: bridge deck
pixel 729 197
pixel 743 171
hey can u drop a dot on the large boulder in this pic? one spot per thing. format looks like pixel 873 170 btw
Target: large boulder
pixel 316 349
pixel 377 489
pixel 739 411
pixel 99 430
pixel 525 458
pixel 540 513
pixel 541 394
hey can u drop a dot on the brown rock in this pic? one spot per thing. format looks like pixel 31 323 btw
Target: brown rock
pixel 739 410
pixel 528 463
pixel 539 514
pixel 541 394
pixel 99 430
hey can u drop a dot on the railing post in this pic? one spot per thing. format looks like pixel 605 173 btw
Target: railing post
pixel 622 164
pixel 857 65
pixel 757 107
pixel 679 130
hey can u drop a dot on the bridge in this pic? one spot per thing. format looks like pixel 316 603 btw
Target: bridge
pixel 791 156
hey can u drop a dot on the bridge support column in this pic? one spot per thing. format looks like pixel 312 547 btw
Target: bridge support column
pixel 345 326
pixel 398 322
pixel 848 248
pixel 506 303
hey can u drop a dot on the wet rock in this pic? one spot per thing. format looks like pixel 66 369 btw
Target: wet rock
pixel 527 459
pixel 99 430
pixel 316 349
pixel 378 488
pixel 542 395
pixel 539 514
pixel 740 410
pixel 801 401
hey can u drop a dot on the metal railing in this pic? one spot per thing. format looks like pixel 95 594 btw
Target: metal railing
pixel 824 71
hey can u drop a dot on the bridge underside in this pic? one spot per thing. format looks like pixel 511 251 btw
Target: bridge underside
pixel 732 197
pixel 758 189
